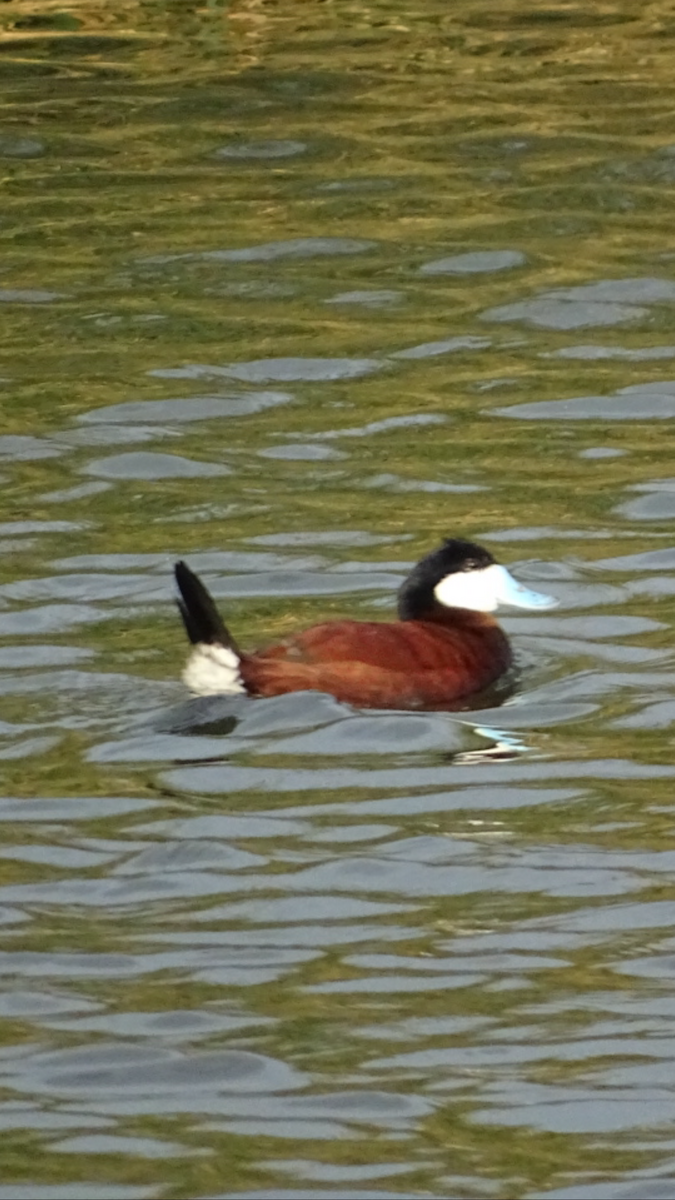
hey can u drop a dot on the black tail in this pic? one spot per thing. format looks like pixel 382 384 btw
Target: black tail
pixel 202 621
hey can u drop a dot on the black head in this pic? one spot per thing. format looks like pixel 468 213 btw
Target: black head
pixel 416 597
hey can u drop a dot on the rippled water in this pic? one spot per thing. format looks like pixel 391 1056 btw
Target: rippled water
pixel 293 292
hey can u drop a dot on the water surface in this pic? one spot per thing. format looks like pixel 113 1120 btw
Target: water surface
pixel 293 295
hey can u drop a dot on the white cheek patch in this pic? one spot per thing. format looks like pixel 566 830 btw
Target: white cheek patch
pixel 213 670
pixel 477 590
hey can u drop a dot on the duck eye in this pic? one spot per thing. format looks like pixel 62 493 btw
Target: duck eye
pixel 470 565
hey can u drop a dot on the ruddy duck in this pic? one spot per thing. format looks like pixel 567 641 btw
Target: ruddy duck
pixel 443 650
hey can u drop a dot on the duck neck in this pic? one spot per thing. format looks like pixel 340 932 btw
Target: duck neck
pixel 414 601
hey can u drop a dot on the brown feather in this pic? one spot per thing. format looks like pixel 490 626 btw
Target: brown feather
pixel 411 664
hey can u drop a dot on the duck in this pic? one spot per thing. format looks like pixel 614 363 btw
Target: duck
pixel 442 652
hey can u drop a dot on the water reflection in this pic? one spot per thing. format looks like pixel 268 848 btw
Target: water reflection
pixel 474 263
pixel 192 408
pixel 307 247
pixel 649 401
pixel 606 303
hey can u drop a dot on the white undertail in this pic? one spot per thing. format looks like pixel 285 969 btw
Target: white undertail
pixel 213 670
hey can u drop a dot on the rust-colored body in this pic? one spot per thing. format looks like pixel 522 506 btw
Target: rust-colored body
pixel 436 663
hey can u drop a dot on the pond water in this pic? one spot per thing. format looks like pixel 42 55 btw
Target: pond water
pixel 292 292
